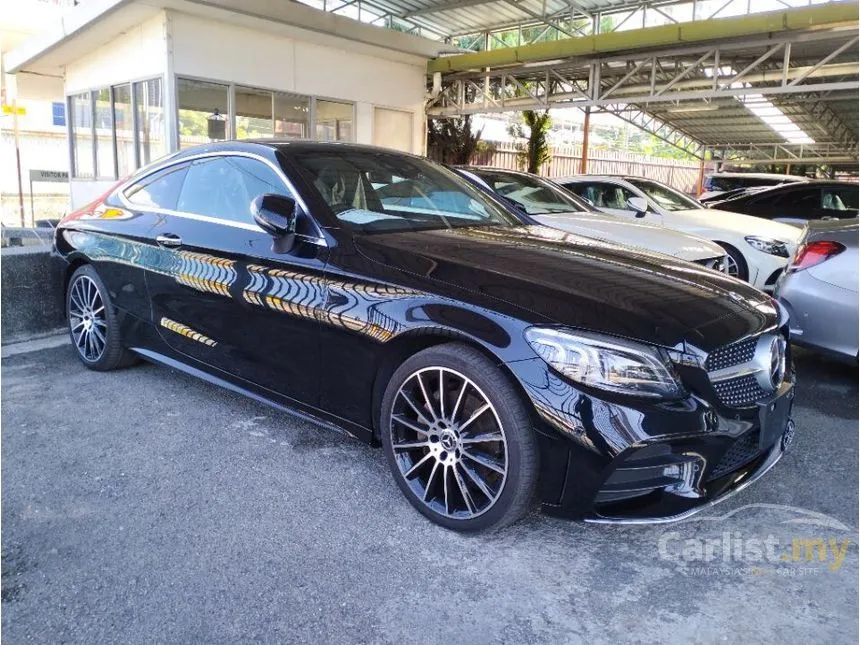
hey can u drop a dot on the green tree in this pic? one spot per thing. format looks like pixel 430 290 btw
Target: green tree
pixel 452 140
pixel 536 152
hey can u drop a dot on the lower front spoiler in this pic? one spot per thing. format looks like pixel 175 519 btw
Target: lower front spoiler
pixel 769 462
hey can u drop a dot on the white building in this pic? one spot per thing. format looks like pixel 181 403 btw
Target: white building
pixel 145 78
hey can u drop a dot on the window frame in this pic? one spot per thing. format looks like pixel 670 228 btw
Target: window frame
pixel 91 92
pixel 173 160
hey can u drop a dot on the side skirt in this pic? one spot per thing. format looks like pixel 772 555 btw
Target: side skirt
pixel 341 426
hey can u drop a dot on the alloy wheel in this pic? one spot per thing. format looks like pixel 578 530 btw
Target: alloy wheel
pixel 448 443
pixel 87 318
pixel 732 266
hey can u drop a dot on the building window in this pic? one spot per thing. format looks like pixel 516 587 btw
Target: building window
pixel 104 135
pixel 123 119
pixel 292 116
pixel 392 129
pixel 203 110
pixel 58 114
pixel 333 121
pixel 149 100
pixel 81 117
pixel 253 113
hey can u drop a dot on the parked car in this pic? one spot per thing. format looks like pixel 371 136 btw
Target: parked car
pixel 819 289
pixel 549 204
pixel 723 182
pixel 797 203
pixel 490 358
pixel 757 249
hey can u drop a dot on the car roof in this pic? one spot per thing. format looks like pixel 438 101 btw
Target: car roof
pixel 287 145
pixel 757 175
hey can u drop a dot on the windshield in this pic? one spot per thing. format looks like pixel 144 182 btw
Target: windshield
pixel 665 197
pixel 535 195
pixel 380 191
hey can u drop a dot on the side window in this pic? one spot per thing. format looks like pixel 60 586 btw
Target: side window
pixel 224 187
pixel 609 196
pixel 838 198
pixel 159 190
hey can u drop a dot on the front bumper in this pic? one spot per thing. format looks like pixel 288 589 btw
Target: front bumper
pixel 609 460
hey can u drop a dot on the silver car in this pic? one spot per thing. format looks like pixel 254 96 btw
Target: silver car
pixel 819 289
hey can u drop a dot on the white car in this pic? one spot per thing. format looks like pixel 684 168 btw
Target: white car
pixel 550 205
pixel 757 249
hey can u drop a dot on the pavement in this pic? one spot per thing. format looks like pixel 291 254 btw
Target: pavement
pixel 144 506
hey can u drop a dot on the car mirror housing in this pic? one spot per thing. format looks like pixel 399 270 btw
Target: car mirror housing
pixel 276 215
pixel 638 205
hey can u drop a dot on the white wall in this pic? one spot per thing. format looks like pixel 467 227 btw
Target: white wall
pixel 137 54
pixel 218 51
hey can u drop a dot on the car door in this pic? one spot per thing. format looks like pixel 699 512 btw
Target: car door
pixel 225 294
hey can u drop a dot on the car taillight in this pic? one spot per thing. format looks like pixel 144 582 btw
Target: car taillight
pixel 808 255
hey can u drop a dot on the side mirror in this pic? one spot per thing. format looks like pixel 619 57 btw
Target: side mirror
pixel 639 205
pixel 276 214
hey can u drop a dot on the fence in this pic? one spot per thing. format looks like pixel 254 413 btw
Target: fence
pixel 682 175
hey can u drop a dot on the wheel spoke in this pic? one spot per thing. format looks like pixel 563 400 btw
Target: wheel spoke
pixel 78 324
pixel 426 397
pixel 99 310
pixel 98 334
pixel 403 421
pixel 441 393
pixel 487 462
pixel 477 413
pixel 418 465
pixel 456 409
pixel 99 322
pixel 464 491
pixel 478 481
pixel 415 407
pixel 75 298
pixel 80 337
pixel 430 481
pixel 445 488
pixel 486 437
pixel 411 445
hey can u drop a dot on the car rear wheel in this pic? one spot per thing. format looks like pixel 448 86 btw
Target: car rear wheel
pixel 458 439
pixel 93 325
pixel 736 265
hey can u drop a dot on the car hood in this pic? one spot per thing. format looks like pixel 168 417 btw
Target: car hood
pixel 640 235
pixel 543 275
pixel 737 223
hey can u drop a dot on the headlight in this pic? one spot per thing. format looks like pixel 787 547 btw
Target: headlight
pixel 767 245
pixel 606 363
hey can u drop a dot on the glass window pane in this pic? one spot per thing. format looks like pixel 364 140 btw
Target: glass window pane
pixel 82 136
pixel 292 116
pixel 225 187
pixel 150 120
pixel 203 112
pixel 124 123
pixel 253 113
pixel 334 121
pixel 392 129
pixel 104 134
pixel 159 190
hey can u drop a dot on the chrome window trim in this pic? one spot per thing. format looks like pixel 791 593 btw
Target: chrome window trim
pixel 172 160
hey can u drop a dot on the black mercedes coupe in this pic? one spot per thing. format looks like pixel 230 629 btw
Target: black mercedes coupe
pixel 493 360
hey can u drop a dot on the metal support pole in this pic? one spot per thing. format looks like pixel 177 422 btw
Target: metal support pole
pixel 18 157
pixel 583 162
pixel 700 185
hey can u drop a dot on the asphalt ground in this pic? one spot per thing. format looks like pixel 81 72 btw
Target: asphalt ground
pixel 144 506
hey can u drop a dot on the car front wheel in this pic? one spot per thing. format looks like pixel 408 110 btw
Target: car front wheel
pixel 458 439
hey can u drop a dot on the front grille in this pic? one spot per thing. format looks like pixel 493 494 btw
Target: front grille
pixel 731 355
pixel 739 454
pixel 739 392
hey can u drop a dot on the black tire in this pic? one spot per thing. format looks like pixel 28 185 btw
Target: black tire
pixel 739 260
pixel 466 444
pixel 101 318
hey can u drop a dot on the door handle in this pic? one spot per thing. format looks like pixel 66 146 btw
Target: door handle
pixel 169 239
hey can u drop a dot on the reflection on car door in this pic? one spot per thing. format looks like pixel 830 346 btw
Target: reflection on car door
pixel 226 297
